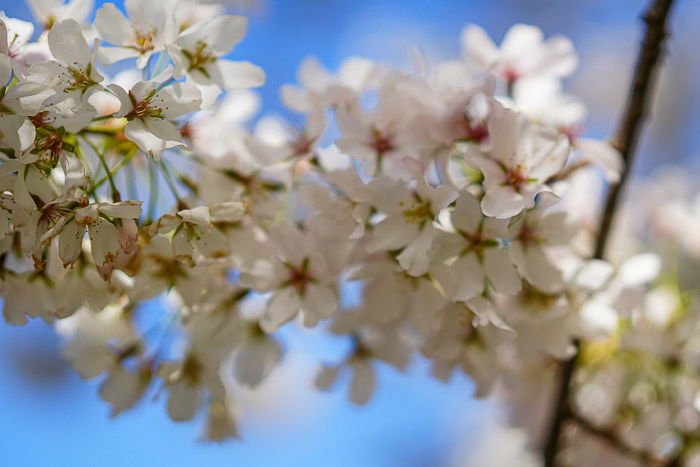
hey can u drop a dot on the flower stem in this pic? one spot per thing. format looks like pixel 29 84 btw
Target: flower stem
pixel 116 197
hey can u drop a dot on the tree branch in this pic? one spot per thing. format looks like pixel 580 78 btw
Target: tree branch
pixel 625 141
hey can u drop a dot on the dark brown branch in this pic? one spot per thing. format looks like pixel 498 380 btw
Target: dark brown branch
pixel 635 111
pixel 625 141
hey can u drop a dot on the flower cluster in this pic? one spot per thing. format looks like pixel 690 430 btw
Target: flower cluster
pixel 452 197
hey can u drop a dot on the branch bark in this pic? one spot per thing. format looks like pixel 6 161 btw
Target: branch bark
pixel 625 141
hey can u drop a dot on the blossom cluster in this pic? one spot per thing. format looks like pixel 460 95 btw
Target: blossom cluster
pixel 461 199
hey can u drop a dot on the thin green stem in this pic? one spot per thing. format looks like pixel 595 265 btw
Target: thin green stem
pixel 116 197
pixel 152 191
pixel 169 181
pixel 111 173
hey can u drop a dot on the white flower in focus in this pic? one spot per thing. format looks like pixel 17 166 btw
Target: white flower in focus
pixel 73 77
pixel 150 27
pixel 408 225
pixel 542 100
pixel 197 53
pixel 518 162
pixel 531 235
pixel 194 231
pixel 112 232
pixel 147 107
pixel 476 256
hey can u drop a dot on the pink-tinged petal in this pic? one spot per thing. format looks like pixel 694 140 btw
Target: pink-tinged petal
pixel 470 278
pixel 501 272
pixel 282 307
pixel 236 76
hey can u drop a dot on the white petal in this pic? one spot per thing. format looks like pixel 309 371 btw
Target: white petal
pixel 501 272
pixel 112 25
pixel 470 278
pixel 129 209
pixel 255 359
pixel 137 132
pixel 363 382
pixel 104 241
pixel 602 154
pixel 479 51
pixel 319 302
pixel 236 75
pixel 467 214
pixel 183 401
pixel 70 242
pixel 282 307
pixel 415 258
pixel 68 44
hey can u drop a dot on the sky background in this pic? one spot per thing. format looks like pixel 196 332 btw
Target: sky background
pixel 50 417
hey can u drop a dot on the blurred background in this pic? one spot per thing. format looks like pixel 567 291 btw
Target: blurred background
pixel 50 417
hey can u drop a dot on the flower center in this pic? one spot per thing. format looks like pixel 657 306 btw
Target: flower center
pixel 516 178
pixel 143 108
pixel 143 41
pixel 299 277
pixel 198 58
pixel 381 143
